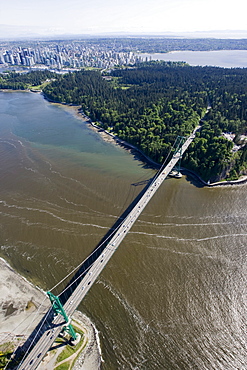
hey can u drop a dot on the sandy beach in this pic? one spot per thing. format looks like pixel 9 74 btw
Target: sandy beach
pixel 22 306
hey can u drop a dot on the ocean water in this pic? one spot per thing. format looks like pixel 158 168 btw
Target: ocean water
pixel 217 58
pixel 174 294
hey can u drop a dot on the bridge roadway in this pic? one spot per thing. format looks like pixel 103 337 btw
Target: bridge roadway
pixel 54 324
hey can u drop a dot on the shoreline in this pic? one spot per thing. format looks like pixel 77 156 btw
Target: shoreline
pixel 22 305
pixel 241 181
pixel 111 138
pixel 107 136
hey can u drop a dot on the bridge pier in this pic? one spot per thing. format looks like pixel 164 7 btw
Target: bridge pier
pixel 76 341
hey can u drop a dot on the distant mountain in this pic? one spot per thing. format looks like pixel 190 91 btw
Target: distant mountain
pixel 10 32
pixel 218 34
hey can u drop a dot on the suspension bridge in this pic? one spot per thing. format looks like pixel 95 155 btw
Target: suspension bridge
pixel 57 318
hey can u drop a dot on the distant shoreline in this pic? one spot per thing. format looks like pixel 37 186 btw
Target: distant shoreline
pixel 223 58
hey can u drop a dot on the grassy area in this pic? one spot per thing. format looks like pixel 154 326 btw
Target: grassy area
pixel 6 351
pixel 64 366
pixel 116 83
pixel 68 351
pixel 38 87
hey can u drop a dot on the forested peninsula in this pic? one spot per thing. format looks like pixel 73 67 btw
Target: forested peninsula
pixel 149 104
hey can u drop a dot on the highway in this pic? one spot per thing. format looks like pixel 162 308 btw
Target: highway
pixel 53 325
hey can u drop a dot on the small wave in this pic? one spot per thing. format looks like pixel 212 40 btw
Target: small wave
pixel 21 143
pixel 182 253
pixel 30 169
pixel 98 341
pixel 52 215
pixel 131 310
pixel 90 209
pixel 7 142
pixel 188 224
pixel 89 189
pixel 220 236
pixel 187 239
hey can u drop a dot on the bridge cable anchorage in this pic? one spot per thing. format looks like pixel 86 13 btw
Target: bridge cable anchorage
pixel 45 340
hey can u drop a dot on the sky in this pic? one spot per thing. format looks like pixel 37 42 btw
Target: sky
pixel 129 16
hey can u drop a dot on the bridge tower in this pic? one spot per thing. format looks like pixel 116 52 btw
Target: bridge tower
pixel 58 309
pixel 178 145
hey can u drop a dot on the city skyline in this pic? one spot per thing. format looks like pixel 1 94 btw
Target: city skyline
pixel 58 17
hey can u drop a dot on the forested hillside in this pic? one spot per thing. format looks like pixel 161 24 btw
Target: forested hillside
pixel 150 104
pixel 22 81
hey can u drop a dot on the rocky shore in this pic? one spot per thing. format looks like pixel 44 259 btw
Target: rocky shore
pixel 22 306
pixel 241 181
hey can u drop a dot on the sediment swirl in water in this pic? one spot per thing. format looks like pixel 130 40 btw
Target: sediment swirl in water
pixel 174 294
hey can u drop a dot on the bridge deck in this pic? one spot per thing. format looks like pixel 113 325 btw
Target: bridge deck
pixel 52 330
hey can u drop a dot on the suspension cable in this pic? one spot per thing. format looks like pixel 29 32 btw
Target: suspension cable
pixel 76 268
pixel 100 245
pixel 35 336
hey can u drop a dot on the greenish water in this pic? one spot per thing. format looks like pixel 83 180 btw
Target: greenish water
pixel 174 294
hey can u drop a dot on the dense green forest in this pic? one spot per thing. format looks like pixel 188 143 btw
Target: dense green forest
pixel 22 81
pixel 150 104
